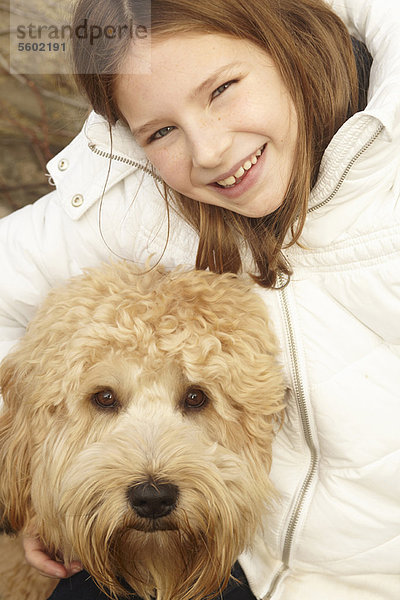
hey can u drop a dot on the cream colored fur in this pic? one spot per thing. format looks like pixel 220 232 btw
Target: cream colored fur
pixel 67 464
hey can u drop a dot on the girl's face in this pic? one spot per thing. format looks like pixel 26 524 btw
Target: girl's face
pixel 214 118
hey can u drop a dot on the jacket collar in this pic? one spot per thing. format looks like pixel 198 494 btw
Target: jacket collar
pixel 116 140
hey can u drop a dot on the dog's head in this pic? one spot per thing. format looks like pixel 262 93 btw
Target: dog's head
pixel 139 415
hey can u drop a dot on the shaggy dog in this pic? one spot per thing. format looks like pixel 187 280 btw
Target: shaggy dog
pixel 139 412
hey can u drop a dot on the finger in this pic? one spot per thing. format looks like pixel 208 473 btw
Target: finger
pixel 73 568
pixel 37 557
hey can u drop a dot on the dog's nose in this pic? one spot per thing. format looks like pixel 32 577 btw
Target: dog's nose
pixel 153 500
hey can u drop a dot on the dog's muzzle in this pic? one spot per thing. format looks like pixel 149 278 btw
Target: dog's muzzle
pixel 153 500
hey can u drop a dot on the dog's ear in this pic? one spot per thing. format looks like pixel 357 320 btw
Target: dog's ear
pixel 15 453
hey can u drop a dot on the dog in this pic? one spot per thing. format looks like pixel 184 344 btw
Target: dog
pixel 139 413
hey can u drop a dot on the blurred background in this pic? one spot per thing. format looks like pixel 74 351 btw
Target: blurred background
pixel 39 112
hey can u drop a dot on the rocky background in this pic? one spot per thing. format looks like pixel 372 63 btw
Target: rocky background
pixel 39 113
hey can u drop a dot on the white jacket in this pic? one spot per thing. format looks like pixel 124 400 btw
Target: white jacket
pixel 335 532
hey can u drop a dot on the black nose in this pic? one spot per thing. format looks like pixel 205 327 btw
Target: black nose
pixel 152 500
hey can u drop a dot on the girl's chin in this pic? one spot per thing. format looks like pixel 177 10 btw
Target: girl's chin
pixel 253 210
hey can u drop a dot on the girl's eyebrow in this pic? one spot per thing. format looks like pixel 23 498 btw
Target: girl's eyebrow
pixel 210 81
pixel 148 127
pixel 145 129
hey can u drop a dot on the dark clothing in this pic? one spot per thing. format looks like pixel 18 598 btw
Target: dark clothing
pixel 363 64
pixel 82 587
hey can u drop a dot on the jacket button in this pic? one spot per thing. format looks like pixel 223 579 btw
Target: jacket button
pixel 63 164
pixel 77 200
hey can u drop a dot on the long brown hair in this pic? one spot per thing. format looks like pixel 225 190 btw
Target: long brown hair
pixel 312 49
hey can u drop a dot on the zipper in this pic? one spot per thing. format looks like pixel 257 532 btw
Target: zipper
pixel 299 392
pixel 347 169
pixel 305 421
pixel 123 159
pixel 275 582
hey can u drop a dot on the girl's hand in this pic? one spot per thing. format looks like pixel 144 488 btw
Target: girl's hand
pixel 35 555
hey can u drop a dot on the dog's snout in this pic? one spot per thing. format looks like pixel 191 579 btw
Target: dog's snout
pixel 153 500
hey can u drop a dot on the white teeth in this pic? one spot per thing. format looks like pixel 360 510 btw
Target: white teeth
pixel 239 172
pixel 230 181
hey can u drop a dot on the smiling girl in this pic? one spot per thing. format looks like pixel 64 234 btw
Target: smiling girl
pixel 228 138
pixel 263 139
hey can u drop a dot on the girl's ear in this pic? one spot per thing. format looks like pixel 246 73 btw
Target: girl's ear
pixel 15 454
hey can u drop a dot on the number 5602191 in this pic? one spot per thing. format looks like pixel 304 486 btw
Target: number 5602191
pixel 41 47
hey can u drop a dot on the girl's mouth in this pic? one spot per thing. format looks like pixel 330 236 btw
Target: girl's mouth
pixel 242 171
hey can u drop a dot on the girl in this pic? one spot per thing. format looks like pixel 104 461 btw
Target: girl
pixel 255 126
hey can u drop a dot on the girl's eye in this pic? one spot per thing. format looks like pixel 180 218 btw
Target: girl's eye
pixel 161 133
pixel 222 88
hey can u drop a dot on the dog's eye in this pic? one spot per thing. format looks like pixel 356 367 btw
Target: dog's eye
pixel 105 399
pixel 195 399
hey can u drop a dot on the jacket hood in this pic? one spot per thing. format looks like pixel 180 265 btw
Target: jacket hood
pixel 377 25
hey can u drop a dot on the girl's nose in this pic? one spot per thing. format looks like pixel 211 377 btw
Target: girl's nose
pixel 208 145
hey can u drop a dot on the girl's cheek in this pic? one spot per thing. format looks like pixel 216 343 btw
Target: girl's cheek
pixel 168 162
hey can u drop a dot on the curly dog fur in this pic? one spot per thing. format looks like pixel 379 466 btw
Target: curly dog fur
pixel 139 413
